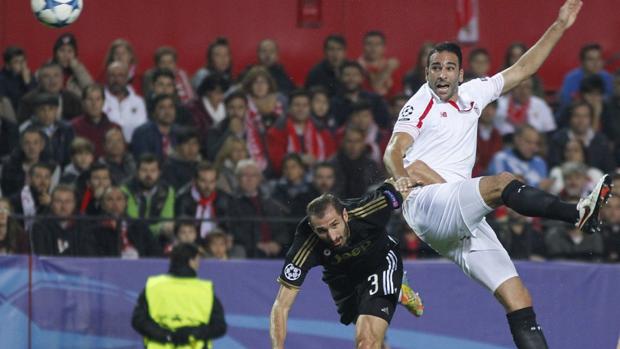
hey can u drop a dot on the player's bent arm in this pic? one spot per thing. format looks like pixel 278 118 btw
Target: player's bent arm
pixel 279 315
pixel 423 174
pixel 395 152
pixel 531 60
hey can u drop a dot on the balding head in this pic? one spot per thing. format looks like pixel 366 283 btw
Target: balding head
pixel 268 52
pixel 117 77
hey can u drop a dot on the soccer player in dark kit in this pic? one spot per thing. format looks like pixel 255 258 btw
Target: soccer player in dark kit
pixel 362 264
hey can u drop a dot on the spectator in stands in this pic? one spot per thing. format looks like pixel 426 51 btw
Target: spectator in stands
pixel 361 118
pixel 9 136
pixel 31 150
pixel 323 179
pixel 613 130
pixel 355 170
pixel 576 182
pixel 268 56
pixel 259 237
pixel 352 79
pixel 6 109
pixel 591 58
pixel 232 126
pixel 34 197
pixel 513 53
pixel 379 69
pixel 219 60
pixel 522 159
pixel 75 74
pixel 157 136
pixel 591 90
pixel 82 157
pixel 610 229
pixel 574 152
pixel 320 109
pixel 264 108
pixel 479 62
pixel 396 104
pixel 148 197
pixel 416 77
pixel 327 72
pixel 208 108
pixel 521 107
pixel 13 239
pixel 233 150
pixel 50 82
pixel 90 198
pixel 520 238
pixel 598 153
pixel 116 156
pixel 185 232
pixel 15 77
pixel 489 139
pixel 217 245
pixel 292 189
pixel 165 58
pixel 122 105
pixel 568 242
pixel 297 133
pixel 59 134
pixel 181 164
pixel 94 123
pixel 163 84
pixel 122 51
pixel 60 235
pixel 201 199
pixel 116 235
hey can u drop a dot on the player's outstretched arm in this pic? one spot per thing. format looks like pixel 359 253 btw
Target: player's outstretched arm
pixel 529 63
pixel 279 315
pixel 393 160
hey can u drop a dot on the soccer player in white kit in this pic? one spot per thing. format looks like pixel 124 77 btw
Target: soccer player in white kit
pixel 433 149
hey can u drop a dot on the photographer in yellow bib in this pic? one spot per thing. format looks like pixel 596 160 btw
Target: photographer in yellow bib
pixel 177 309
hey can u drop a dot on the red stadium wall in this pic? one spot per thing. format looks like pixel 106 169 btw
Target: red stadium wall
pixel 191 24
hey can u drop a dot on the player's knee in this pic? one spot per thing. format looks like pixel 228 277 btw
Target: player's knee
pixel 368 341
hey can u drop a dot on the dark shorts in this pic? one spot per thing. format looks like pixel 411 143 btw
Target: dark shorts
pixel 376 294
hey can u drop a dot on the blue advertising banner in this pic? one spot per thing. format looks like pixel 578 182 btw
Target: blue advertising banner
pixel 87 303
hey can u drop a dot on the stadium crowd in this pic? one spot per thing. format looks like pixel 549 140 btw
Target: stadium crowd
pixel 131 165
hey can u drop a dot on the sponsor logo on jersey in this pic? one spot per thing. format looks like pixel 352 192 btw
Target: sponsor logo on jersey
pixel 360 249
pixel 291 272
pixel 392 198
pixel 386 310
pixel 407 111
pixel 327 252
pixel 444 114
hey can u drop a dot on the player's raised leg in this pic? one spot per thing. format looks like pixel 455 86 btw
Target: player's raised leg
pixel 505 189
pixel 370 332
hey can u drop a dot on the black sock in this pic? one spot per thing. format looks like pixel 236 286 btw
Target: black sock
pixel 525 331
pixel 533 202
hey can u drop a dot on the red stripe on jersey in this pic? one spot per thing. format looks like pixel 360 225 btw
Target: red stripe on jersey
pixel 428 108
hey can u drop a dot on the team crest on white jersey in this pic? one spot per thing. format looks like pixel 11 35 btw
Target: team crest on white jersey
pixel 291 272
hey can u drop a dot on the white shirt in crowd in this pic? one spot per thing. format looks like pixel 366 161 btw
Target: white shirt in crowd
pixel 539 116
pixel 445 133
pixel 128 113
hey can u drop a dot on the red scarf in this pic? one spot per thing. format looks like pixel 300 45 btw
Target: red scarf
pixel 205 210
pixel 517 114
pixel 313 142
pixel 254 127
pixel 86 199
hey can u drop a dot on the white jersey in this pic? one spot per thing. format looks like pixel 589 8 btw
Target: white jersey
pixel 445 133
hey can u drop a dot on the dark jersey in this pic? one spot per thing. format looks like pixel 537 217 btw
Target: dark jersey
pixel 366 247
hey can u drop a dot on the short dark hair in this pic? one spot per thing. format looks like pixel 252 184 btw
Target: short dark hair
pixel 163 51
pixel 212 82
pixel 478 51
pixel 593 46
pixel 51 64
pixel 157 73
pixel 359 106
pixel 184 221
pixel 324 164
pixel 375 33
pixel 337 38
pixel 32 129
pixel 148 158
pixel 449 47
pixel 219 41
pixel 186 134
pixel 81 145
pixel 161 97
pixel 181 255
pixel 235 95
pixel 67 188
pixel 204 166
pixel 294 157
pixel 353 64
pixel 578 104
pixel 318 206
pixel 298 93
pixel 98 166
pixel 592 83
pixel 12 52
pixel 317 90
pixel 43 165
pixel 92 87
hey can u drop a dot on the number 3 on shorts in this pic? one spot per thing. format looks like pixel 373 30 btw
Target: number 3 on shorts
pixel 374 282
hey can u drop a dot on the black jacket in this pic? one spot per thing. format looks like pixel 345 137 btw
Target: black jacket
pixel 50 239
pixel 71 105
pixel 353 177
pixel 14 87
pixel 9 137
pixel 323 74
pixel 108 241
pixel 598 152
pixel 142 322
pixel 185 205
pixel 177 172
pixel 13 175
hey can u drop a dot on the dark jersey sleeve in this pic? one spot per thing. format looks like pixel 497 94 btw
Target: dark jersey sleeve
pixel 377 206
pixel 301 257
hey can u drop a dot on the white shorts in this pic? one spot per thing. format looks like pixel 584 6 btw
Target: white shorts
pixel 449 217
